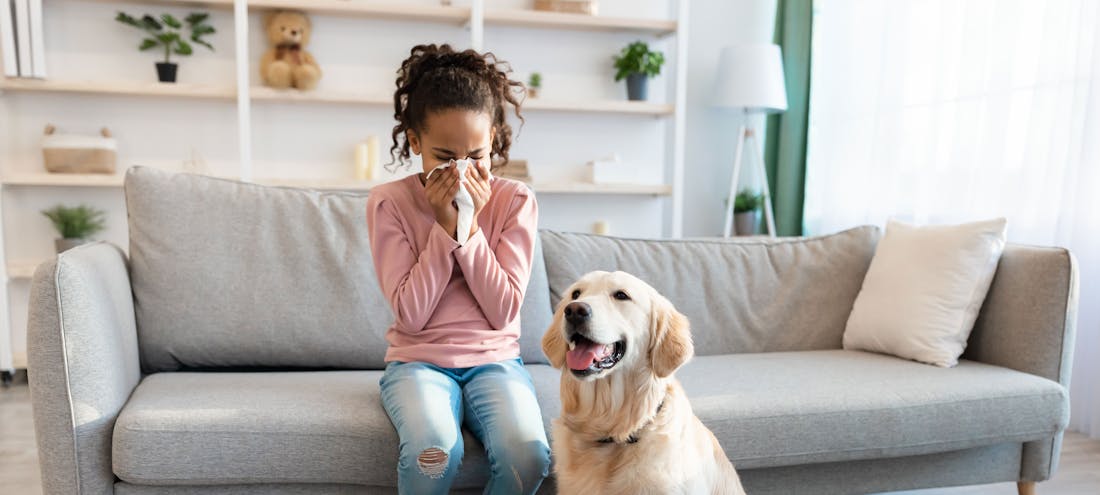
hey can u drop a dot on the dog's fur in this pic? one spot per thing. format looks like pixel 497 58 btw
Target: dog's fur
pixel 637 399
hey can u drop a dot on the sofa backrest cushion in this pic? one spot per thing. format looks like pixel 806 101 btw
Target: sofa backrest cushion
pixel 755 295
pixel 233 274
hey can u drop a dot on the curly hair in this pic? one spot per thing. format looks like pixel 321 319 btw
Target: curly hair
pixel 436 78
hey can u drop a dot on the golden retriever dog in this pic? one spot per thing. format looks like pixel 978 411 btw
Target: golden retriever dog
pixel 626 426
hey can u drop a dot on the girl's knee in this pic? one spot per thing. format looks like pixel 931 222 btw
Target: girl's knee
pixel 528 461
pixel 433 461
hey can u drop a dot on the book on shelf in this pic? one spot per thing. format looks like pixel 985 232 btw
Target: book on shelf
pixel 23 37
pixel 7 38
pixel 38 41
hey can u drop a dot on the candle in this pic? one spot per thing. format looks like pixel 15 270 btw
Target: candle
pixel 372 157
pixel 366 158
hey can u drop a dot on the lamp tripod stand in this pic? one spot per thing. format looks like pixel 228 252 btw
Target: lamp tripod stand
pixel 744 136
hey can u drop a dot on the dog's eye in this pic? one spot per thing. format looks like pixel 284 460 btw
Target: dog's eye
pixel 576 294
pixel 622 296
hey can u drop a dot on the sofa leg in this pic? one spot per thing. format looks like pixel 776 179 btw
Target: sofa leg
pixel 1025 487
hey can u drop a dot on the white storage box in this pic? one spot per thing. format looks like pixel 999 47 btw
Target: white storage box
pixel 78 154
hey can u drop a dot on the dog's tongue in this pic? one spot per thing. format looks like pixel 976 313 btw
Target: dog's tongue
pixel 582 356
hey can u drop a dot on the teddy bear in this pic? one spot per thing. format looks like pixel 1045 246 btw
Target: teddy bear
pixel 286 63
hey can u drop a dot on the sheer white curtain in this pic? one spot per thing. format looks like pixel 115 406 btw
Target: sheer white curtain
pixel 958 110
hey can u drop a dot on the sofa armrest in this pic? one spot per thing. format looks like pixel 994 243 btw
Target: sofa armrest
pixel 1028 323
pixel 82 364
pixel 1029 317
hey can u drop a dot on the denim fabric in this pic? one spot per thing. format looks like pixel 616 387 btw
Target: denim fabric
pixel 429 405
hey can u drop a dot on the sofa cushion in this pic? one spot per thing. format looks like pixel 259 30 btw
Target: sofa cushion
pixel 232 274
pixel 773 409
pixel 756 295
pixel 187 428
pixel 789 408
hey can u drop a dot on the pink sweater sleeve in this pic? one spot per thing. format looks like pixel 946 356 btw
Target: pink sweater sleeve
pixel 498 278
pixel 413 285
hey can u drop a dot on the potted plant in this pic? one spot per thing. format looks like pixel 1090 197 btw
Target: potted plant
pixel 166 33
pixel 745 206
pixel 534 83
pixel 637 63
pixel 75 224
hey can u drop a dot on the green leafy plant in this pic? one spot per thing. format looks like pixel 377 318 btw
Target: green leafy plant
pixel 535 81
pixel 79 222
pixel 165 32
pixel 636 58
pixel 747 201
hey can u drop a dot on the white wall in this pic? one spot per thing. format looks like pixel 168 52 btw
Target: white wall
pixel 712 132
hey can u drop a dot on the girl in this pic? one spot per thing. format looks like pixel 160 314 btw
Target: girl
pixel 453 355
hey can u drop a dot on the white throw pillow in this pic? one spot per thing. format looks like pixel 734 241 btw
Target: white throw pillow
pixel 923 290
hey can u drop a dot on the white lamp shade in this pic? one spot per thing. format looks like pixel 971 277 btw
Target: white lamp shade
pixel 751 77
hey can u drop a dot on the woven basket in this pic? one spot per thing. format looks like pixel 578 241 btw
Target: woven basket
pixel 570 6
pixel 75 154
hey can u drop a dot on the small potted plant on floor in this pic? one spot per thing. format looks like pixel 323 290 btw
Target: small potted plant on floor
pixel 637 63
pixel 534 83
pixel 75 224
pixel 745 206
pixel 166 33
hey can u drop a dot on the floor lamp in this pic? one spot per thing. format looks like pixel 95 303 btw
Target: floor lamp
pixel 750 78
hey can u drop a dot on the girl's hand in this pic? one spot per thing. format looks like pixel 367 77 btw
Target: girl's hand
pixel 480 189
pixel 440 190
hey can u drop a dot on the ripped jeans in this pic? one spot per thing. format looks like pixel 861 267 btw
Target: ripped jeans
pixel 429 405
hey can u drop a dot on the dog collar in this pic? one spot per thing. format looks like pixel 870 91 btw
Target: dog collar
pixel 633 438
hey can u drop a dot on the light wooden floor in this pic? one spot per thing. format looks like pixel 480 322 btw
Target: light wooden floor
pixel 1078 474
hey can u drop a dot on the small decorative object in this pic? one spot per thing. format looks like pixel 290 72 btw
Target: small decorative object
pixel 366 158
pixel 77 154
pixel 610 170
pixel 166 33
pixel 75 224
pixel 745 208
pixel 287 64
pixel 636 63
pixel 601 228
pixel 514 169
pixel 534 83
pixel 196 164
pixel 569 6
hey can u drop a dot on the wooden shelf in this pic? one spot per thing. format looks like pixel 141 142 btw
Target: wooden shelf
pixel 591 188
pixel 262 93
pixel 436 13
pixel 222 4
pixel 320 184
pixel 600 106
pixel 561 20
pixel 103 180
pixel 22 269
pixel 62 180
pixel 128 88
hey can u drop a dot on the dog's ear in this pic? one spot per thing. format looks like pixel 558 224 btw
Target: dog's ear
pixel 670 338
pixel 553 342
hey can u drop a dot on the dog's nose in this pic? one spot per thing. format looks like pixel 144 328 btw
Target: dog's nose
pixel 578 312
pixel 293 32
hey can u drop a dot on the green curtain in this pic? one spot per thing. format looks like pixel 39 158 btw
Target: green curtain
pixel 785 145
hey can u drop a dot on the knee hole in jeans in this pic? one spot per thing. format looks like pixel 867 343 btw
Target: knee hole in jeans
pixel 432 462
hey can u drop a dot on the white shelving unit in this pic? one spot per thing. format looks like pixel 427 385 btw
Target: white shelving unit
pixel 244 92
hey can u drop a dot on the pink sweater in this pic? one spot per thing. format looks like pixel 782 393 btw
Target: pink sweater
pixel 454 306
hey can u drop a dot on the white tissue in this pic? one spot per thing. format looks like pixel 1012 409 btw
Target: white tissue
pixel 463 199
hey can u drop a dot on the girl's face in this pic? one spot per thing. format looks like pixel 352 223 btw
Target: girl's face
pixel 452 135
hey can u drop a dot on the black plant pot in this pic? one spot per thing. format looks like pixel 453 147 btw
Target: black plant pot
pixel 166 72
pixel 637 87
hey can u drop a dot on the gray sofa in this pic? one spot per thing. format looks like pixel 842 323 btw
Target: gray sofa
pixel 237 350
